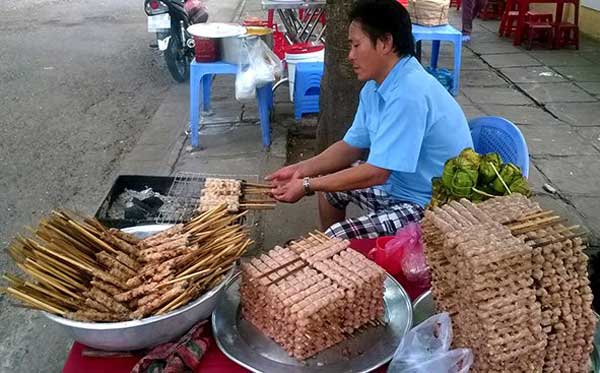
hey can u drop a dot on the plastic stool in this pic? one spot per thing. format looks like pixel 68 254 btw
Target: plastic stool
pixel 508 22
pixel 493 9
pixel 307 87
pixel 455 3
pixel 567 34
pixel 200 83
pixel 438 34
pixel 535 31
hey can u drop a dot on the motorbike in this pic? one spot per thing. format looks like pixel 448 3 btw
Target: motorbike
pixel 169 20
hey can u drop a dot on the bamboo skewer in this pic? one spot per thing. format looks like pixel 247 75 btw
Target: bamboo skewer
pixel 35 302
pixel 257 206
pixel 533 225
pixel 255 185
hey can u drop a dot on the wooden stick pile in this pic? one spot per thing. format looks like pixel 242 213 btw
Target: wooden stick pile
pixel 81 270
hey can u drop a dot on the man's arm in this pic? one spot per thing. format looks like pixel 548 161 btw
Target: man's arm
pixel 335 158
pixel 338 156
pixel 362 176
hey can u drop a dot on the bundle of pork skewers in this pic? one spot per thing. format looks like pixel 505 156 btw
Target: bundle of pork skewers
pixel 83 271
pixel 515 282
pixel 236 194
pixel 312 294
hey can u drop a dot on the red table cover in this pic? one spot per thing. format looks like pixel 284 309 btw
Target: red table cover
pixel 214 361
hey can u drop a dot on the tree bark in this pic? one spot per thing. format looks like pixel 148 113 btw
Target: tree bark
pixel 339 86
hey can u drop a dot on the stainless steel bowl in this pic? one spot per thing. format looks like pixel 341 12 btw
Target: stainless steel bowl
pixel 148 332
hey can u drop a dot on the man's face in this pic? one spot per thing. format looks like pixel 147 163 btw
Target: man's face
pixel 367 59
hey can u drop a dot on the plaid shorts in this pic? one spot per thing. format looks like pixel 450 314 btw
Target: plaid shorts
pixel 385 214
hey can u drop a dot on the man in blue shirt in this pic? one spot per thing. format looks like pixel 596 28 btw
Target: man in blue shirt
pixel 406 120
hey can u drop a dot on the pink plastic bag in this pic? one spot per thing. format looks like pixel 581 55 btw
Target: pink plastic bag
pixel 403 255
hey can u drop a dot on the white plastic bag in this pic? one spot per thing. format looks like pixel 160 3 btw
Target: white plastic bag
pixel 262 67
pixel 266 65
pixel 245 80
pixel 424 349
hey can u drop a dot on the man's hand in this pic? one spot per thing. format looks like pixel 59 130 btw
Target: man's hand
pixel 290 192
pixel 284 175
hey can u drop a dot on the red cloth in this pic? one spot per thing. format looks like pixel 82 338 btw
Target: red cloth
pixel 213 361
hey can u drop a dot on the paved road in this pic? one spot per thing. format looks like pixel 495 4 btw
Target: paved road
pixel 78 84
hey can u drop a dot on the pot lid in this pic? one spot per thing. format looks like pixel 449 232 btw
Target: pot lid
pixel 216 30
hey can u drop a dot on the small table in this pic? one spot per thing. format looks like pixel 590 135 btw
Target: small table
pixel 200 83
pixel 437 34
pixel 523 7
pixel 298 29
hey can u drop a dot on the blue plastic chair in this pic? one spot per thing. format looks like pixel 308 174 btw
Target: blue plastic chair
pixel 496 134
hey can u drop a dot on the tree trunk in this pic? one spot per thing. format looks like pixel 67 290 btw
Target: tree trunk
pixel 339 86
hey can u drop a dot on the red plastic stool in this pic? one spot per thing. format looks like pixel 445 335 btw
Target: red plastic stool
pixel 538 31
pixel 539 17
pixel 492 9
pixel 567 34
pixel 508 22
pixel 455 3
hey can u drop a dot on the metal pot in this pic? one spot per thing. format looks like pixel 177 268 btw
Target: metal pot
pixel 231 47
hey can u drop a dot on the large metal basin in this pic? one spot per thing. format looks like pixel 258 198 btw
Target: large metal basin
pixel 147 332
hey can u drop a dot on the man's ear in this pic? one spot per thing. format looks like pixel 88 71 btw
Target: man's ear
pixel 387 43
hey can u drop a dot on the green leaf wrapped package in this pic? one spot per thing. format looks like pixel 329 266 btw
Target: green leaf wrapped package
pixel 521 186
pixel 468 158
pixel 475 177
pixel 508 173
pixel 486 171
pixel 460 176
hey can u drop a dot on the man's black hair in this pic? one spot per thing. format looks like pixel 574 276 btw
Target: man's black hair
pixel 380 17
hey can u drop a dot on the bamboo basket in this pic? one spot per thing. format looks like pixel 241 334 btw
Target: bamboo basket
pixel 429 12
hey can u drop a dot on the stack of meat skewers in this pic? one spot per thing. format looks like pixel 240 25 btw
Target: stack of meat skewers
pixel 514 279
pixel 236 194
pixel 81 270
pixel 312 294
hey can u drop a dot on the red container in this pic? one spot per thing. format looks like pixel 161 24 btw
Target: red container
pixel 381 241
pixel 206 50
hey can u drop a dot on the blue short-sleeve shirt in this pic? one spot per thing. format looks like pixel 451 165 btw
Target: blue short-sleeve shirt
pixel 411 126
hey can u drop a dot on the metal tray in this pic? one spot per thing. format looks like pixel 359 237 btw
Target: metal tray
pixel 367 350
pixel 147 332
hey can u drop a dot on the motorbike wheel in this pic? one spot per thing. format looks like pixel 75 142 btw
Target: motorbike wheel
pixel 177 60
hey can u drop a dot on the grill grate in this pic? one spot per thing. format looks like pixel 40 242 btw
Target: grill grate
pixel 184 196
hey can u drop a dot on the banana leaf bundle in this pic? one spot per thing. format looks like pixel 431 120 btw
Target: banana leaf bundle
pixel 477 178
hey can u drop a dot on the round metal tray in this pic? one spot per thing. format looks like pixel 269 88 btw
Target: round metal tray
pixel 367 350
pixel 147 332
